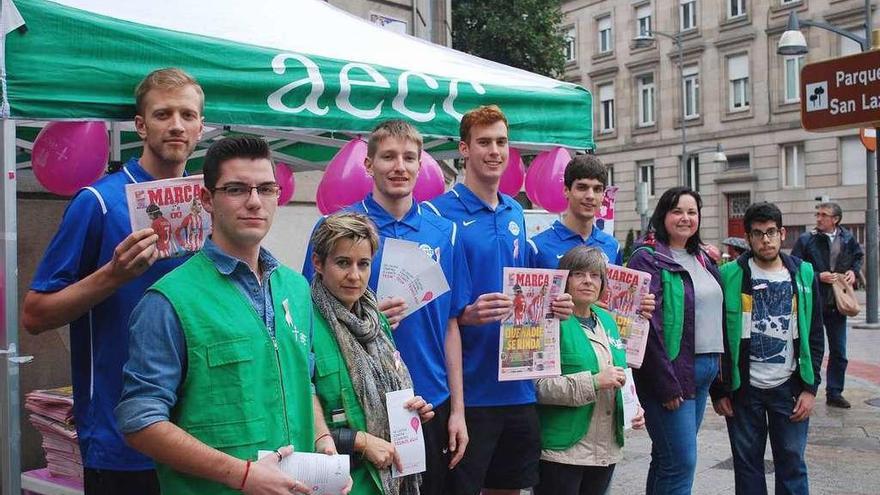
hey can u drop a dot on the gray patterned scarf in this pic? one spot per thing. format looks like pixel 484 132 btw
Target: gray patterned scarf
pixel 372 366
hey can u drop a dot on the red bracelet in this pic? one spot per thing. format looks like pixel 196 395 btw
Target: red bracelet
pixel 247 469
pixel 320 437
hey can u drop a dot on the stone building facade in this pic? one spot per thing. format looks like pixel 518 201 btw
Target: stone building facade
pixel 737 92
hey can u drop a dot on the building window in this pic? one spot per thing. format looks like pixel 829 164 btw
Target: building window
pixel 738 162
pixel 610 169
pixel 646 100
pixel 643 20
pixel 692 172
pixel 688 14
pixel 794 174
pixel 738 74
pixel 606 107
pixel 570 44
pixel 646 175
pixel 789 2
pixel 793 67
pixel 691 92
pixel 853 164
pixel 736 8
pixel 606 40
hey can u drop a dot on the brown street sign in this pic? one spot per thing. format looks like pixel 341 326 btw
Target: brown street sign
pixel 842 92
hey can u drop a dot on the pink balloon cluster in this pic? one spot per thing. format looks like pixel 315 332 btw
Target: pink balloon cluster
pixel 512 179
pixel 68 156
pixel 430 183
pixel 545 179
pixel 284 177
pixel 345 179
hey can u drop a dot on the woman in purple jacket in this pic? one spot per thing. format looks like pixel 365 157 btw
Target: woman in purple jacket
pixel 685 342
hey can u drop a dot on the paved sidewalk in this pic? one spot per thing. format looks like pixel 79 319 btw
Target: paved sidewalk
pixel 843 451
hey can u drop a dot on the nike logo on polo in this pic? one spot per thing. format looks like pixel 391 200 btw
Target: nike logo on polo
pixel 559 256
pixel 468 222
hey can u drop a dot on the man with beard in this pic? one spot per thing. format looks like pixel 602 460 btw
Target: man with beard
pixel 96 269
pixel 835 254
pixel 773 350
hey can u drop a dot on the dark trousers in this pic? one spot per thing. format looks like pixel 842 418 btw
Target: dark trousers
pixel 757 414
pixel 437 452
pixel 566 479
pixel 106 482
pixel 835 332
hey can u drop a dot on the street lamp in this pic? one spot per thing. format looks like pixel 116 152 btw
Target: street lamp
pixel 644 40
pixel 793 42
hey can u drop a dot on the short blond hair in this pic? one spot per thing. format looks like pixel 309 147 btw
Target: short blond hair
pixel 343 225
pixel 395 128
pixel 165 79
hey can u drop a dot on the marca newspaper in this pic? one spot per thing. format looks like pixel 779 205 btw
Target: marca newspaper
pixel 529 340
pixel 623 297
pixel 172 208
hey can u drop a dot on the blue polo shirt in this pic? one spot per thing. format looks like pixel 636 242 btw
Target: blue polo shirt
pixel 492 239
pixel 548 247
pixel 95 222
pixel 421 336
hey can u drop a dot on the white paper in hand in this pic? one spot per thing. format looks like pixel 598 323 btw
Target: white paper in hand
pixel 410 272
pixel 406 433
pixel 323 474
pixel 630 400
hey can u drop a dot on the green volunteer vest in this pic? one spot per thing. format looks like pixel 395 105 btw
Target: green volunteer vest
pixel 563 426
pixel 673 309
pixel 731 284
pixel 243 391
pixel 336 393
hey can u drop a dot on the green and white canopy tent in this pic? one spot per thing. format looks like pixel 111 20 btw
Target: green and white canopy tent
pixel 300 72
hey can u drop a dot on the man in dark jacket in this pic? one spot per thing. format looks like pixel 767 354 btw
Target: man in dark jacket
pixel 773 350
pixel 834 253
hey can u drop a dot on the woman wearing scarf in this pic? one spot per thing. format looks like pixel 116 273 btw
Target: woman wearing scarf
pixel 581 411
pixel 355 357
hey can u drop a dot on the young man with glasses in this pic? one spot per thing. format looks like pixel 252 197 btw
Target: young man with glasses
pixel 96 269
pixel 773 350
pixel 834 253
pixel 220 348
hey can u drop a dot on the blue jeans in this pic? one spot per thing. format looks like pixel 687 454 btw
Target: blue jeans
pixel 835 374
pixel 674 434
pixel 757 413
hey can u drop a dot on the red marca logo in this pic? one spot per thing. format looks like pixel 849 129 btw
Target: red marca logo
pixel 842 92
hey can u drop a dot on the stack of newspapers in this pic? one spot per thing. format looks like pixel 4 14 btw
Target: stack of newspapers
pixel 51 413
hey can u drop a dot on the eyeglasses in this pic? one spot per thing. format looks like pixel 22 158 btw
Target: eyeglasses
pixel 239 190
pixel 579 276
pixel 758 235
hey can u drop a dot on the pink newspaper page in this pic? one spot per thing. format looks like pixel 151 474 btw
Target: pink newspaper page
pixel 528 345
pixel 623 297
pixel 172 208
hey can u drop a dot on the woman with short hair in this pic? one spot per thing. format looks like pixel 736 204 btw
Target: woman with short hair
pixel 356 360
pixel 581 411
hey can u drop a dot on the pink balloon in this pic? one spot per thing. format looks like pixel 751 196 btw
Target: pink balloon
pixel 319 201
pixel 345 179
pixel 284 177
pixel 532 174
pixel 68 156
pixel 430 183
pixel 512 178
pixel 548 186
